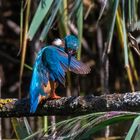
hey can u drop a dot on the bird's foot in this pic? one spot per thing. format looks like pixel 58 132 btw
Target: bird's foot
pixel 54 96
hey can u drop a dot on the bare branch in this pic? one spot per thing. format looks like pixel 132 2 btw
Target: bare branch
pixel 72 105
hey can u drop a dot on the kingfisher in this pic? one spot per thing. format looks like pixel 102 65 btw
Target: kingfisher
pixel 51 65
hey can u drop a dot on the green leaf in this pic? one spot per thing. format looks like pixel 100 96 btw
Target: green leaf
pixel 134 10
pixel 21 127
pixel 45 118
pixel 111 30
pixel 100 124
pixel 28 67
pixel 129 11
pixel 79 15
pixel 63 16
pixel 137 135
pixel 50 20
pixel 33 135
pixel 133 128
pixel 40 14
pixel 74 128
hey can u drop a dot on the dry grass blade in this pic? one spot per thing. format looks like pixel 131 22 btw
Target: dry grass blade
pixel 126 48
pixel 24 43
pixel 102 10
pixel 121 39
pixel 88 11
pixel 21 27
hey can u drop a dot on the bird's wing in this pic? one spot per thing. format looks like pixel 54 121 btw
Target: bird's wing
pixel 52 61
pixel 76 66
pixel 39 76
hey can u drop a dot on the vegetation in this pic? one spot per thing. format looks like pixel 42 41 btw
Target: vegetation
pixel 108 31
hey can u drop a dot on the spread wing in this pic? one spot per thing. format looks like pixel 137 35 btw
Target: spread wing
pixel 56 60
pixel 52 61
pixel 76 66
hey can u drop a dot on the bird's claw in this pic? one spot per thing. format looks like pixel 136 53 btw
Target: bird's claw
pixel 54 96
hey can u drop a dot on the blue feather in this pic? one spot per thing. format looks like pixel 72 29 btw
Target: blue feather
pixel 47 67
pixel 51 65
pixel 39 76
pixel 72 42
pixel 52 61
pixel 76 66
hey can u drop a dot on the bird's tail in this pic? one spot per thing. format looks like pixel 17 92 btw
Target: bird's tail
pixel 34 90
pixel 37 80
pixel 33 104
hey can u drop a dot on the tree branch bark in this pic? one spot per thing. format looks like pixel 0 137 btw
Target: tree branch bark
pixel 72 105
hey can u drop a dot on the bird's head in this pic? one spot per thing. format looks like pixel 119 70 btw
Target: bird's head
pixel 71 46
